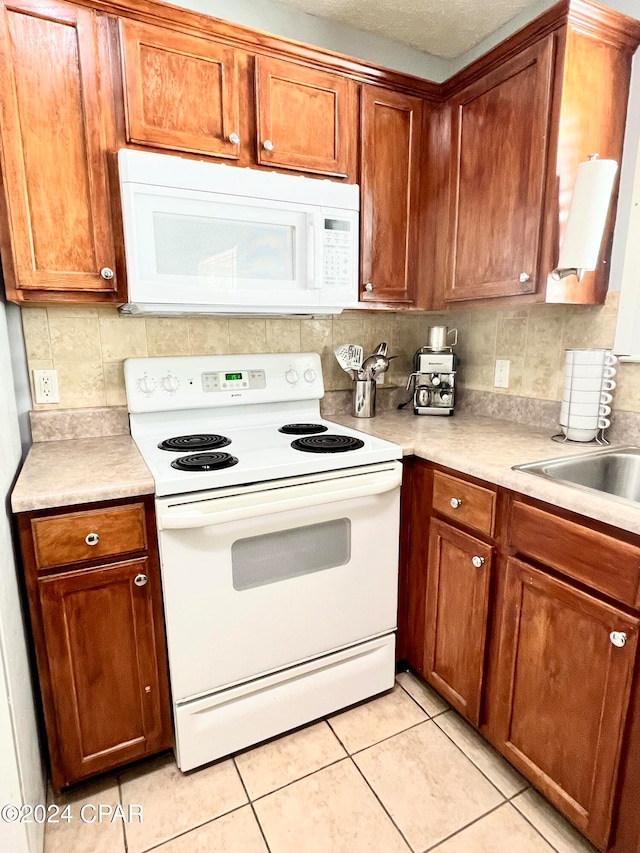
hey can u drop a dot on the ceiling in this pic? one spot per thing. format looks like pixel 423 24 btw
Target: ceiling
pixel 444 28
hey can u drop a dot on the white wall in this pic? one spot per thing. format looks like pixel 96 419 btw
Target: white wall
pixel 279 20
pixel 21 771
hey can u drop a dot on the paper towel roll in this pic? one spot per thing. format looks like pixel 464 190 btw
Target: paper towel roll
pixel 587 215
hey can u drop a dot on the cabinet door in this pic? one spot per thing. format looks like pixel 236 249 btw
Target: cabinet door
pixel 457 606
pixel 307 118
pixel 105 667
pixel 53 151
pixel 390 191
pixel 498 160
pixel 566 683
pixel 181 91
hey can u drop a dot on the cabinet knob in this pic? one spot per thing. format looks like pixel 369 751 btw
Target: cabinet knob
pixel 478 562
pixel 267 145
pixel 618 638
pixel 454 503
pixel 368 286
pixel 92 538
pixel 524 276
pixel 140 580
pixel 234 139
pixel 107 273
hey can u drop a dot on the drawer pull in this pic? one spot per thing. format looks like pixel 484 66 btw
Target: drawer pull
pixel 477 561
pixel 140 580
pixel 618 638
pixel 92 538
pixel 234 139
pixel 454 503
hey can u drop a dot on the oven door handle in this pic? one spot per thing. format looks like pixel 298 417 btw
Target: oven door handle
pixel 253 504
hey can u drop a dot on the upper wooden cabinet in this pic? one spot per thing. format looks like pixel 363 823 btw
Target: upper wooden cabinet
pixel 306 118
pixel 390 177
pixel 183 93
pixel 180 91
pixel 56 235
pixel 498 158
pixel 521 120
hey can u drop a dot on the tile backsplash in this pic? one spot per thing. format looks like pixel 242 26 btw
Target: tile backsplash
pixel 534 339
pixel 87 345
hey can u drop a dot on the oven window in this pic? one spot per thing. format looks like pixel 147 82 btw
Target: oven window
pixel 273 557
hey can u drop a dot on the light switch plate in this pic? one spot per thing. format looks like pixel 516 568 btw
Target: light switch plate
pixel 501 377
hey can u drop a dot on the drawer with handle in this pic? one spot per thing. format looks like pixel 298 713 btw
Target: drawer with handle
pixel 596 559
pixel 471 505
pixel 88 535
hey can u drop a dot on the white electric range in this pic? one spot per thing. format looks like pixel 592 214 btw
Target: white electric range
pixel 278 534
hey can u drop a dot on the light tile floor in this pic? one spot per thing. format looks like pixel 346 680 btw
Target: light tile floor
pixel 398 774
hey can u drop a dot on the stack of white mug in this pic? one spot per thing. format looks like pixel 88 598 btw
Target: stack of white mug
pixel 588 382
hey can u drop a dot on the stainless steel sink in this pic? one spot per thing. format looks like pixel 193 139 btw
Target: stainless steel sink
pixel 614 471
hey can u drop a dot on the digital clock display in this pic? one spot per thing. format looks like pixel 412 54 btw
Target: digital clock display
pixel 231 376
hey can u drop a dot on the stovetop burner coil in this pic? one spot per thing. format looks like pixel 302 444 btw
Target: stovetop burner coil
pixel 327 443
pixel 302 429
pixel 198 441
pixel 204 462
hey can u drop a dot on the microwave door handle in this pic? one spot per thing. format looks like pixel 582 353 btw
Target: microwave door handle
pixel 313 228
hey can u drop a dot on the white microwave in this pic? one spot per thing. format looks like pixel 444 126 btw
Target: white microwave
pixel 208 238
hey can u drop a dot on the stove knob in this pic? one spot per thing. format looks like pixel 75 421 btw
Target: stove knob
pixel 147 385
pixel 435 379
pixel 310 375
pixel 291 376
pixel 170 383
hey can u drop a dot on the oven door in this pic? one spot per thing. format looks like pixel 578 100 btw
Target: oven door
pixel 261 580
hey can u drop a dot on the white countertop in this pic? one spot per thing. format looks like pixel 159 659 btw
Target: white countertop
pixel 83 470
pixel 63 473
pixel 487 449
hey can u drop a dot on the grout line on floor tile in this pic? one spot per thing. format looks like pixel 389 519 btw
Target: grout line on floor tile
pixel 124 825
pixel 255 814
pixel 161 844
pixel 539 831
pixel 382 805
pixel 479 769
pixel 422 708
pixel 300 778
pixel 466 826
pixel 382 740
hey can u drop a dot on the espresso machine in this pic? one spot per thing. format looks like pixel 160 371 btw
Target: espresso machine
pixel 434 373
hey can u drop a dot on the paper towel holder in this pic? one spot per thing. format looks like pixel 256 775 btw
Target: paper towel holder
pixel 582 237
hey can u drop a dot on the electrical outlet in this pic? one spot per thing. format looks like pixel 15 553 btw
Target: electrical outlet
pixel 380 378
pixel 501 377
pixel 45 386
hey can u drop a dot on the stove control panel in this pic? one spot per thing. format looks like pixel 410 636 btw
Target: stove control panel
pixel 221 380
pixel 199 382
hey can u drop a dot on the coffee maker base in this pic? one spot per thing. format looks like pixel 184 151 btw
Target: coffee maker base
pixel 432 410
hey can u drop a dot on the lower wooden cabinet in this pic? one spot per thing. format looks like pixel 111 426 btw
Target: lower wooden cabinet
pixel 566 666
pixel 456 618
pixel 528 626
pixel 99 636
